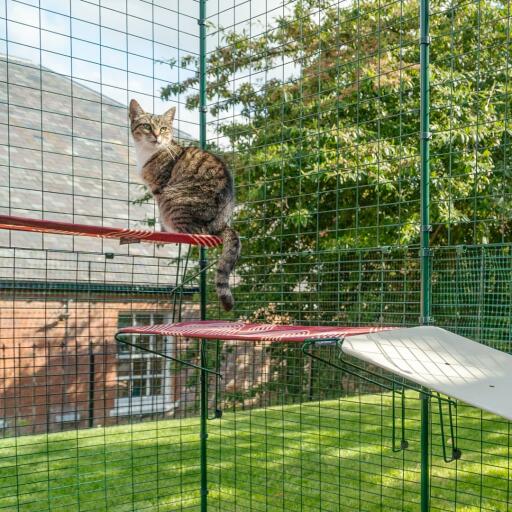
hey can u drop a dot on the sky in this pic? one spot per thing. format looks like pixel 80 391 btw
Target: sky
pixel 117 47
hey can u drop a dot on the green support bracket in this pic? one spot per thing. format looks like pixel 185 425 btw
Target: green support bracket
pixel 349 367
pixel 397 388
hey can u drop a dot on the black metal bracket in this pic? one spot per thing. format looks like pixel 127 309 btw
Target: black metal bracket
pixel 404 444
pixel 378 380
pixel 397 388
pixel 456 452
pixel 119 338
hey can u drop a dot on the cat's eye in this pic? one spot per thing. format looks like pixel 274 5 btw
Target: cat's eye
pixel 163 128
pixel 146 127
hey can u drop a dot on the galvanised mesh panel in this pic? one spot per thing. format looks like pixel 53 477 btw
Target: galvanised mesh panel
pixel 315 105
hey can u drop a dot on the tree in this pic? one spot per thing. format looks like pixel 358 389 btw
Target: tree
pixel 327 158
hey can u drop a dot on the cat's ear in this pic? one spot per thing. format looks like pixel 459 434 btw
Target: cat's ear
pixel 135 110
pixel 169 115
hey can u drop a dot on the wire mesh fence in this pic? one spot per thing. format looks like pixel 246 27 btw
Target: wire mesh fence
pixel 315 106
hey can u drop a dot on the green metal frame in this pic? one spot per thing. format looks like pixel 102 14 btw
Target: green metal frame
pixel 203 264
pixel 397 387
pixel 203 267
pixel 425 252
pixel 425 272
pixel 323 141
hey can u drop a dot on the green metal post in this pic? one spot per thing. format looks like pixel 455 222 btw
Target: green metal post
pixel 203 399
pixel 425 452
pixel 202 263
pixel 425 252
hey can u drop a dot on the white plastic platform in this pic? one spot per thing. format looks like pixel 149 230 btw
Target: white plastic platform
pixel 441 361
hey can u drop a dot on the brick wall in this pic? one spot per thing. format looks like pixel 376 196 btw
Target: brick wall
pixel 55 352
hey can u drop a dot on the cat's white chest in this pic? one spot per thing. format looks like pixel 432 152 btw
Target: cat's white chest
pixel 143 153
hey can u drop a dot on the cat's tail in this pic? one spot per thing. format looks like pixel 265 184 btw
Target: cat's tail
pixel 230 253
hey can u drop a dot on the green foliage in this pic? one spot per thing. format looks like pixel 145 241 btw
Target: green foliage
pixel 327 157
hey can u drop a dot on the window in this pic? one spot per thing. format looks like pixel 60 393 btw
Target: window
pixel 142 378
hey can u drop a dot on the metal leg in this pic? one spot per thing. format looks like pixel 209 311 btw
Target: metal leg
pixel 425 452
pixel 203 395
pixel 204 433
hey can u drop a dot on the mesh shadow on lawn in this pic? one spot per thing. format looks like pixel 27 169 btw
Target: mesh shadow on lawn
pixel 329 455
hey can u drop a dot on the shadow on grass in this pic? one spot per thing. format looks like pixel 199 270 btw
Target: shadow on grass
pixel 330 456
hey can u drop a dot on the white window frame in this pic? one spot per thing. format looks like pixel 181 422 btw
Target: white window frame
pixel 130 405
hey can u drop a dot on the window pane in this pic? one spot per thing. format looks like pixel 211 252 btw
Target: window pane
pixel 141 375
pixel 138 387
pixel 142 341
pixel 143 319
pixel 158 318
pixel 124 369
pixel 124 349
pixel 123 389
pixel 139 367
pixel 125 320
pixel 159 344
pixel 156 366
pixel 156 386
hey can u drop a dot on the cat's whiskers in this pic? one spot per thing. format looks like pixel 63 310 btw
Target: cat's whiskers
pixel 171 151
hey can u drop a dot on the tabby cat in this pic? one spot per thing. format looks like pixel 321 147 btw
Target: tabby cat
pixel 193 188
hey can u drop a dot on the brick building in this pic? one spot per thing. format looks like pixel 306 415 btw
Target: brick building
pixel 61 368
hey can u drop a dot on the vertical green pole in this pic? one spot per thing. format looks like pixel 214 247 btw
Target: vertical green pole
pixel 425 453
pixel 203 399
pixel 425 253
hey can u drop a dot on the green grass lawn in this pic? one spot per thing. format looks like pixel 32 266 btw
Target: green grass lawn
pixel 329 455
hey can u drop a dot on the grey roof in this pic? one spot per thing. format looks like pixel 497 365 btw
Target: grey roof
pixel 66 154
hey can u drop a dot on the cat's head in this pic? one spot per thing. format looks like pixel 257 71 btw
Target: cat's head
pixel 151 131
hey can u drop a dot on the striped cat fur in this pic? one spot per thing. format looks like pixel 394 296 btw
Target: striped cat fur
pixel 193 188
